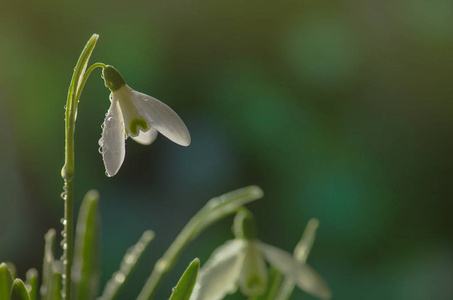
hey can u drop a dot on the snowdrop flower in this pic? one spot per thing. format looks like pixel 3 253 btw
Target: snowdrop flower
pixel 241 262
pixel 136 115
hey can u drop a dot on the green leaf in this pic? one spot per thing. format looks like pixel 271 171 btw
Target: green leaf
pixel 127 265
pixel 85 269
pixel 222 206
pixel 19 291
pixel 31 281
pixel 56 282
pixel 48 261
pixel 6 281
pixel 185 285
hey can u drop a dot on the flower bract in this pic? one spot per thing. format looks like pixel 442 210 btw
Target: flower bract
pixel 137 115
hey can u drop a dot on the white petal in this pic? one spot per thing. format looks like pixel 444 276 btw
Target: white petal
pixel 113 140
pixel 253 278
pixel 145 138
pixel 129 111
pixel 158 115
pixel 303 275
pixel 221 272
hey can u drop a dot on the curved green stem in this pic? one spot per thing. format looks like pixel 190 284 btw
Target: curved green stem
pixel 87 74
pixel 78 80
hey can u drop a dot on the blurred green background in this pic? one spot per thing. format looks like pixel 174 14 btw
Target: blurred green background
pixel 340 110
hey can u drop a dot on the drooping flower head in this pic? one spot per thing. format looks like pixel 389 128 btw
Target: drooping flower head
pixel 136 115
pixel 241 263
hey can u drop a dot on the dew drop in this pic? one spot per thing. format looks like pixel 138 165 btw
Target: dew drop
pixel 101 144
pixel 64 196
pixel 129 259
pixel 119 278
pixel 63 221
pixel 161 265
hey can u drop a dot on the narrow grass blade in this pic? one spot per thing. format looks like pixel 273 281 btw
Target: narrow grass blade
pixel 19 291
pixel 301 252
pixel 6 281
pixel 85 270
pixel 216 209
pixel 48 261
pixel 31 281
pixel 128 263
pixel 185 285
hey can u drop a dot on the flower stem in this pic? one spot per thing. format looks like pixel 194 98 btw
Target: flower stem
pixel 78 80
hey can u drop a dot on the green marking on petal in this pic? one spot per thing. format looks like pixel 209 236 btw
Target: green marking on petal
pixel 254 283
pixel 137 123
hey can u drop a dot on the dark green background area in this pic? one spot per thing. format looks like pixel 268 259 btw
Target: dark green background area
pixel 340 110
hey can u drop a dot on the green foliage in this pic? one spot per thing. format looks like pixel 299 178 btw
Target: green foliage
pixel 48 262
pixel 31 281
pixel 85 271
pixel 6 281
pixel 216 209
pixel 128 263
pixel 85 274
pixel 185 285
pixel 19 291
